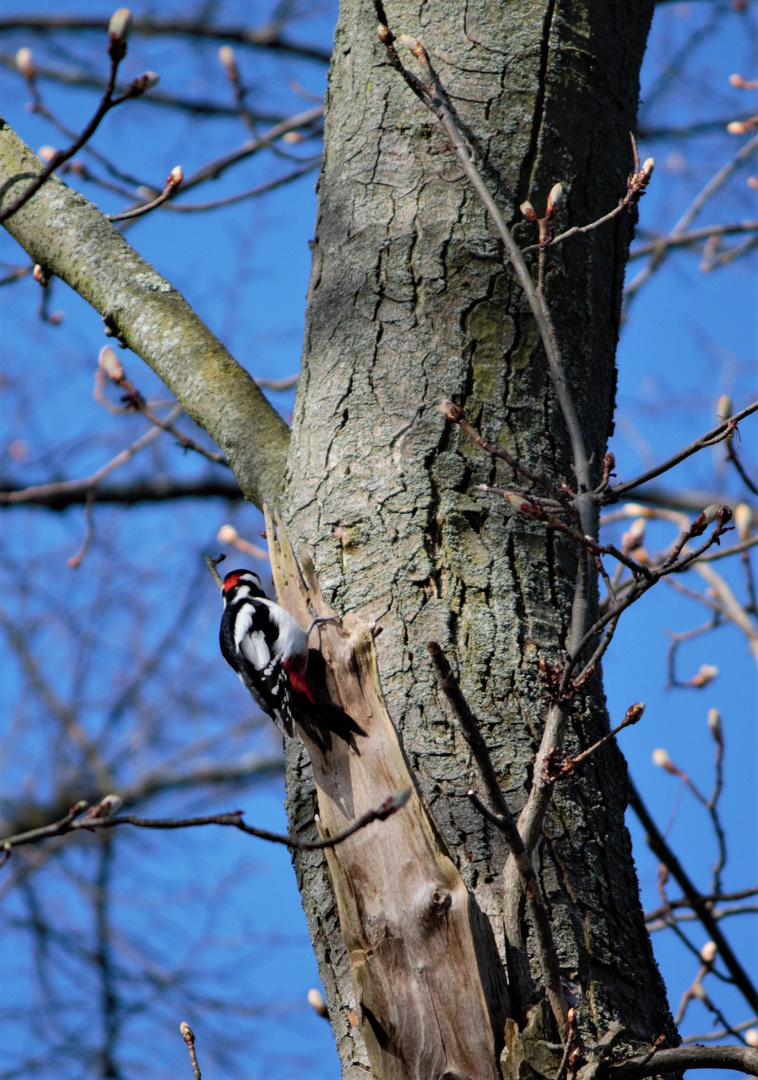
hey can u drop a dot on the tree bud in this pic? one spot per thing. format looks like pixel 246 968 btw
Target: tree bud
pixel 518 502
pixel 705 675
pixel 714 724
pixel 634 535
pixel 554 199
pixel 751 1037
pixel 724 409
pixel 25 62
pixel 317 1003
pixel 663 761
pixel 118 33
pixel 109 805
pixel 229 62
pixel 528 211
pixel 647 169
pixel 708 952
pixel 187 1033
pixel 452 412
pixel 175 177
pixel 634 712
pixel 110 364
pixel 141 85
pixel 743 519
pixel 227 534
pixel 46 153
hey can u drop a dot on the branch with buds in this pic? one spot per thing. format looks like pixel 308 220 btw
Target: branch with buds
pixel 101 817
pixel 173 180
pixel 118 36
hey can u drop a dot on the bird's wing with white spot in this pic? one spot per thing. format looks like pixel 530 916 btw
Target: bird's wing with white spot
pixel 249 637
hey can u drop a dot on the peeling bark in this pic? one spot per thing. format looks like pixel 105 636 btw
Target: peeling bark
pixel 432 994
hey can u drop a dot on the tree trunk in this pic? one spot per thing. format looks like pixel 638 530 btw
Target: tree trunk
pixel 411 303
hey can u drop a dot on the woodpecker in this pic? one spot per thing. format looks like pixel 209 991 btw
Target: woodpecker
pixel 268 649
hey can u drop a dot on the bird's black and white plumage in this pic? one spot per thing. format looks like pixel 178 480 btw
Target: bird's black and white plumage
pixel 265 645
pixel 268 649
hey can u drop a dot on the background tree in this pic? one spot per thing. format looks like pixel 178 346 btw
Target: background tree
pixel 432 313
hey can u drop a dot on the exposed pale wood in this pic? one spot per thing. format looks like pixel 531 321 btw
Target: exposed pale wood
pixel 425 968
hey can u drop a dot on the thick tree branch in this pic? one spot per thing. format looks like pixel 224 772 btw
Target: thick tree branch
pixel 742 1058
pixel 57 497
pixel 70 238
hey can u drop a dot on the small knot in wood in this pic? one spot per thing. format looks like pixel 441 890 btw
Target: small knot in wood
pixel 439 903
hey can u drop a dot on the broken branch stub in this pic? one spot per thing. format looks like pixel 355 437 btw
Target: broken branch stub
pixel 428 979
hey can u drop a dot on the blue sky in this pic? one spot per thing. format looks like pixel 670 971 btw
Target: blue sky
pixel 689 338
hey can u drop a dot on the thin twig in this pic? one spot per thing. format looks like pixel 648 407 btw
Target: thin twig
pixel 691 213
pixel 715 435
pixel 168 192
pixel 68 825
pixel 699 905
pixel 251 193
pixel 711 899
pixel 107 102
pixel 43 491
pixel 189 1037
pixel 214 169
pixel 692 237
pixel 633 715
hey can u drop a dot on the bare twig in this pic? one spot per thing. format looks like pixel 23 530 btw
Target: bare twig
pixel 146 490
pixel 169 190
pixel 37 492
pixel 715 435
pixel 189 1037
pixel 251 193
pixel 691 213
pixel 68 824
pixel 633 715
pixel 107 102
pixel 711 898
pixel 714 1036
pixel 76 560
pixel 699 905
pixel 214 169
pixel 455 414
pixel 692 237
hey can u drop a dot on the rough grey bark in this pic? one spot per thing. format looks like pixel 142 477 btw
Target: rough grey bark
pixel 410 303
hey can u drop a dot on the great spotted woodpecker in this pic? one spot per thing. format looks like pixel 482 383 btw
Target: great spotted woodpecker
pixel 268 649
